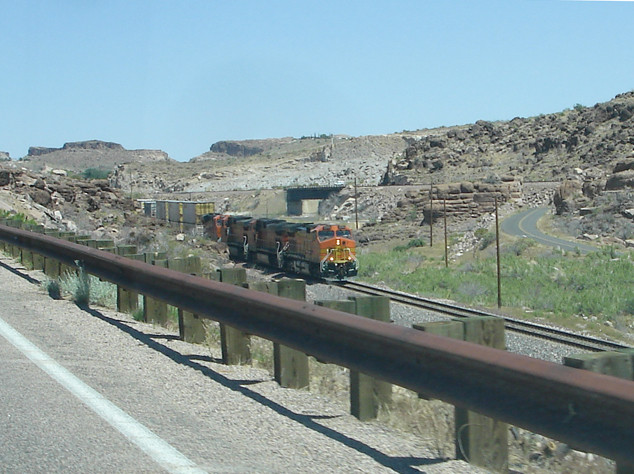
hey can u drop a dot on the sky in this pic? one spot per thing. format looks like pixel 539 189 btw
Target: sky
pixel 181 75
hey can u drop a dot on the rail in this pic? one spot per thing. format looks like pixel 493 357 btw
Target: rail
pixel 589 411
pixel 529 328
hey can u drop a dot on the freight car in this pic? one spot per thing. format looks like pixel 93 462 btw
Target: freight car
pixel 318 250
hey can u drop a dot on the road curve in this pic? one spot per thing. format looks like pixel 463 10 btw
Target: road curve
pixel 524 224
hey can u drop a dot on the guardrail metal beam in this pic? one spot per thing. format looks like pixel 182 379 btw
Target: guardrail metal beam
pixel 589 411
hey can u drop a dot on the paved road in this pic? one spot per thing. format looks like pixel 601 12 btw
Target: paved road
pixel 90 390
pixel 524 224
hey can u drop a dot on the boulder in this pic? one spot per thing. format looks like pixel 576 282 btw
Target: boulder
pixel 565 196
pixel 40 196
pixel 6 177
pixel 624 166
pixel 620 180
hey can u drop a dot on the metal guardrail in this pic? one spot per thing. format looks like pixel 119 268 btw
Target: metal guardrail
pixel 589 411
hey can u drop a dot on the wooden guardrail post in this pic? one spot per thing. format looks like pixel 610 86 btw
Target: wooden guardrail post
pixel 367 394
pixel 452 329
pixel 480 440
pixel 38 261
pixel 65 269
pixel 52 267
pixel 27 259
pixel 617 364
pixel 235 344
pixel 346 306
pixel 290 366
pixel 31 259
pixel 127 300
pixel 155 311
pixel 190 326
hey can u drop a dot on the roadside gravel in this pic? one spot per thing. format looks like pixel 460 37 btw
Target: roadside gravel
pixel 224 418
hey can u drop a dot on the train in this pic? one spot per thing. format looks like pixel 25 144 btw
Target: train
pixel 315 250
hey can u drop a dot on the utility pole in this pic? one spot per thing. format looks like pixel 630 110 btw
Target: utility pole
pixel 444 204
pixel 497 245
pixel 356 208
pixel 431 213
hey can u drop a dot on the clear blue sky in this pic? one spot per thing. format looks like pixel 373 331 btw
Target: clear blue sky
pixel 179 76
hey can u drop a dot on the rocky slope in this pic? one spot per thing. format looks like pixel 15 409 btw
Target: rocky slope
pixel 63 203
pixel 261 164
pixel 546 148
pixel 586 148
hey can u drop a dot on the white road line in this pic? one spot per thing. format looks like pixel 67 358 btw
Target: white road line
pixel 168 457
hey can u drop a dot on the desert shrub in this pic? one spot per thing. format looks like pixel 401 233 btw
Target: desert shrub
pixel 472 289
pixel 16 217
pixel 411 244
pixel 52 287
pixel 85 289
pixel 486 238
pixel 521 245
pixel 95 173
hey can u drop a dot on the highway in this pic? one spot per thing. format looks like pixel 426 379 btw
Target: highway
pixel 524 224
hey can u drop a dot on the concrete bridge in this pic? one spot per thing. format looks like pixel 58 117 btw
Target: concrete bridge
pixel 296 197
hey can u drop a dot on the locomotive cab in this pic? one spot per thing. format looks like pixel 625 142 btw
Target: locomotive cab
pixel 337 251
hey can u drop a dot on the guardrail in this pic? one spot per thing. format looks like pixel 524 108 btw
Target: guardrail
pixel 589 411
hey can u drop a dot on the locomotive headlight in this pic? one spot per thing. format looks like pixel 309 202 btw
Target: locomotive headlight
pixel 338 242
pixel 332 259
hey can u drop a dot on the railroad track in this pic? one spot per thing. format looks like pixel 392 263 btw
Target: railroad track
pixel 512 324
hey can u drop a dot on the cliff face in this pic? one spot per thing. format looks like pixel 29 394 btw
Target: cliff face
pixel 79 156
pixel 547 147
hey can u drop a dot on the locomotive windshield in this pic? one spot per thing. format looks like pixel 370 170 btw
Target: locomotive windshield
pixel 344 233
pixel 325 234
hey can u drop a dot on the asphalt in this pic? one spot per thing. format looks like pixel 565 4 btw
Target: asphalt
pixel 91 390
pixel 524 224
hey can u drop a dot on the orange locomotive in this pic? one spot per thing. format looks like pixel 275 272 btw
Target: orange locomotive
pixel 318 250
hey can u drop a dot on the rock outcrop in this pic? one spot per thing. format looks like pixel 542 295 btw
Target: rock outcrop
pixel 462 200
pixel 547 147
pixel 57 201
pixel 80 156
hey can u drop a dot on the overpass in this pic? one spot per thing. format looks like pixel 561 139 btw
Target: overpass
pixel 295 197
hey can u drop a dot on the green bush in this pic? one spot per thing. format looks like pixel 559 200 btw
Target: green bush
pixel 17 217
pixel 95 173
pixel 411 244
pixel 522 245
pixel 486 238
pixel 53 289
pixel 86 289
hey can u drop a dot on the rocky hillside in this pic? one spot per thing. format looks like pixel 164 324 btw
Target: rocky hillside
pixel 546 148
pixel 261 164
pixel 586 148
pixel 63 203
pixel 79 156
